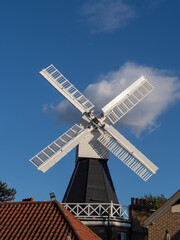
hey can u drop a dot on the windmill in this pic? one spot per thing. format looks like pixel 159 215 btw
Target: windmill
pixel 95 137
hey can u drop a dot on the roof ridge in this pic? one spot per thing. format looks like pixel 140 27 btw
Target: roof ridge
pixel 16 202
pixel 64 211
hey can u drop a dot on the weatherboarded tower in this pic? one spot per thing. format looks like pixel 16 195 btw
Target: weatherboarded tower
pixel 91 180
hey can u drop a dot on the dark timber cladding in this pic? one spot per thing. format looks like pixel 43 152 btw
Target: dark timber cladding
pixel 90 182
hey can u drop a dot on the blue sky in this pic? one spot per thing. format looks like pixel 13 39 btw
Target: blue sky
pixel 90 42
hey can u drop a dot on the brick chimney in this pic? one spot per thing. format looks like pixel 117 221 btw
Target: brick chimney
pixel 139 212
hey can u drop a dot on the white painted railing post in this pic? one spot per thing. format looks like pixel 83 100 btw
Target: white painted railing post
pixel 78 210
pixel 111 209
pixel 88 210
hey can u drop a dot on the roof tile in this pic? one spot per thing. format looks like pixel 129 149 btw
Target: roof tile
pixel 40 220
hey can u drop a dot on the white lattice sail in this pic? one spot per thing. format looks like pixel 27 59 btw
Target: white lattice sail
pixel 125 101
pixel 66 89
pixel 127 153
pixel 59 148
pixel 128 159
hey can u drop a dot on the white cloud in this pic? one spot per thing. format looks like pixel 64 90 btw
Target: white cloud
pixel 144 115
pixel 107 15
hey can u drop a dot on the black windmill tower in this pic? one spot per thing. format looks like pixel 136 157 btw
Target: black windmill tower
pixel 94 137
pixel 91 180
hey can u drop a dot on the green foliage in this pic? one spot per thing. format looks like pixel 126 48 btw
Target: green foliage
pixel 154 202
pixel 6 194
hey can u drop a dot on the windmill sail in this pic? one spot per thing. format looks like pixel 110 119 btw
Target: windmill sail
pixel 53 76
pixel 127 153
pixel 59 148
pixel 100 136
pixel 125 101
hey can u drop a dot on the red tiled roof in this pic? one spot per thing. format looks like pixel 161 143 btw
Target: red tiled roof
pixel 40 220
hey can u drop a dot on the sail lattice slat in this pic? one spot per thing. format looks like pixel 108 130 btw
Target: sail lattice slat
pixel 119 151
pixel 57 149
pixel 66 89
pixel 127 100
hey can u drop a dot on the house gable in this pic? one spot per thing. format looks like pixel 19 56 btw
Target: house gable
pixel 163 209
pixel 166 218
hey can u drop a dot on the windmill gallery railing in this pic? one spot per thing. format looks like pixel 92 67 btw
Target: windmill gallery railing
pixel 98 210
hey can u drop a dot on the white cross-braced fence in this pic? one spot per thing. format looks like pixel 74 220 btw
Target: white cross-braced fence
pixel 98 210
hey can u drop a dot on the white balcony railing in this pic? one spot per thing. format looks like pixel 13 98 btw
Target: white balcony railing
pixel 98 210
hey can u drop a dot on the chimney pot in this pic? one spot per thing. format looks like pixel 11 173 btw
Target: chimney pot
pixel 141 202
pixel 137 201
pixel 144 202
pixel 132 201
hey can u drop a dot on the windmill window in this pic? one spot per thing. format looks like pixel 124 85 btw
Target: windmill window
pixel 122 236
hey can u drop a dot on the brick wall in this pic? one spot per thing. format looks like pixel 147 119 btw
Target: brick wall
pixel 168 221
